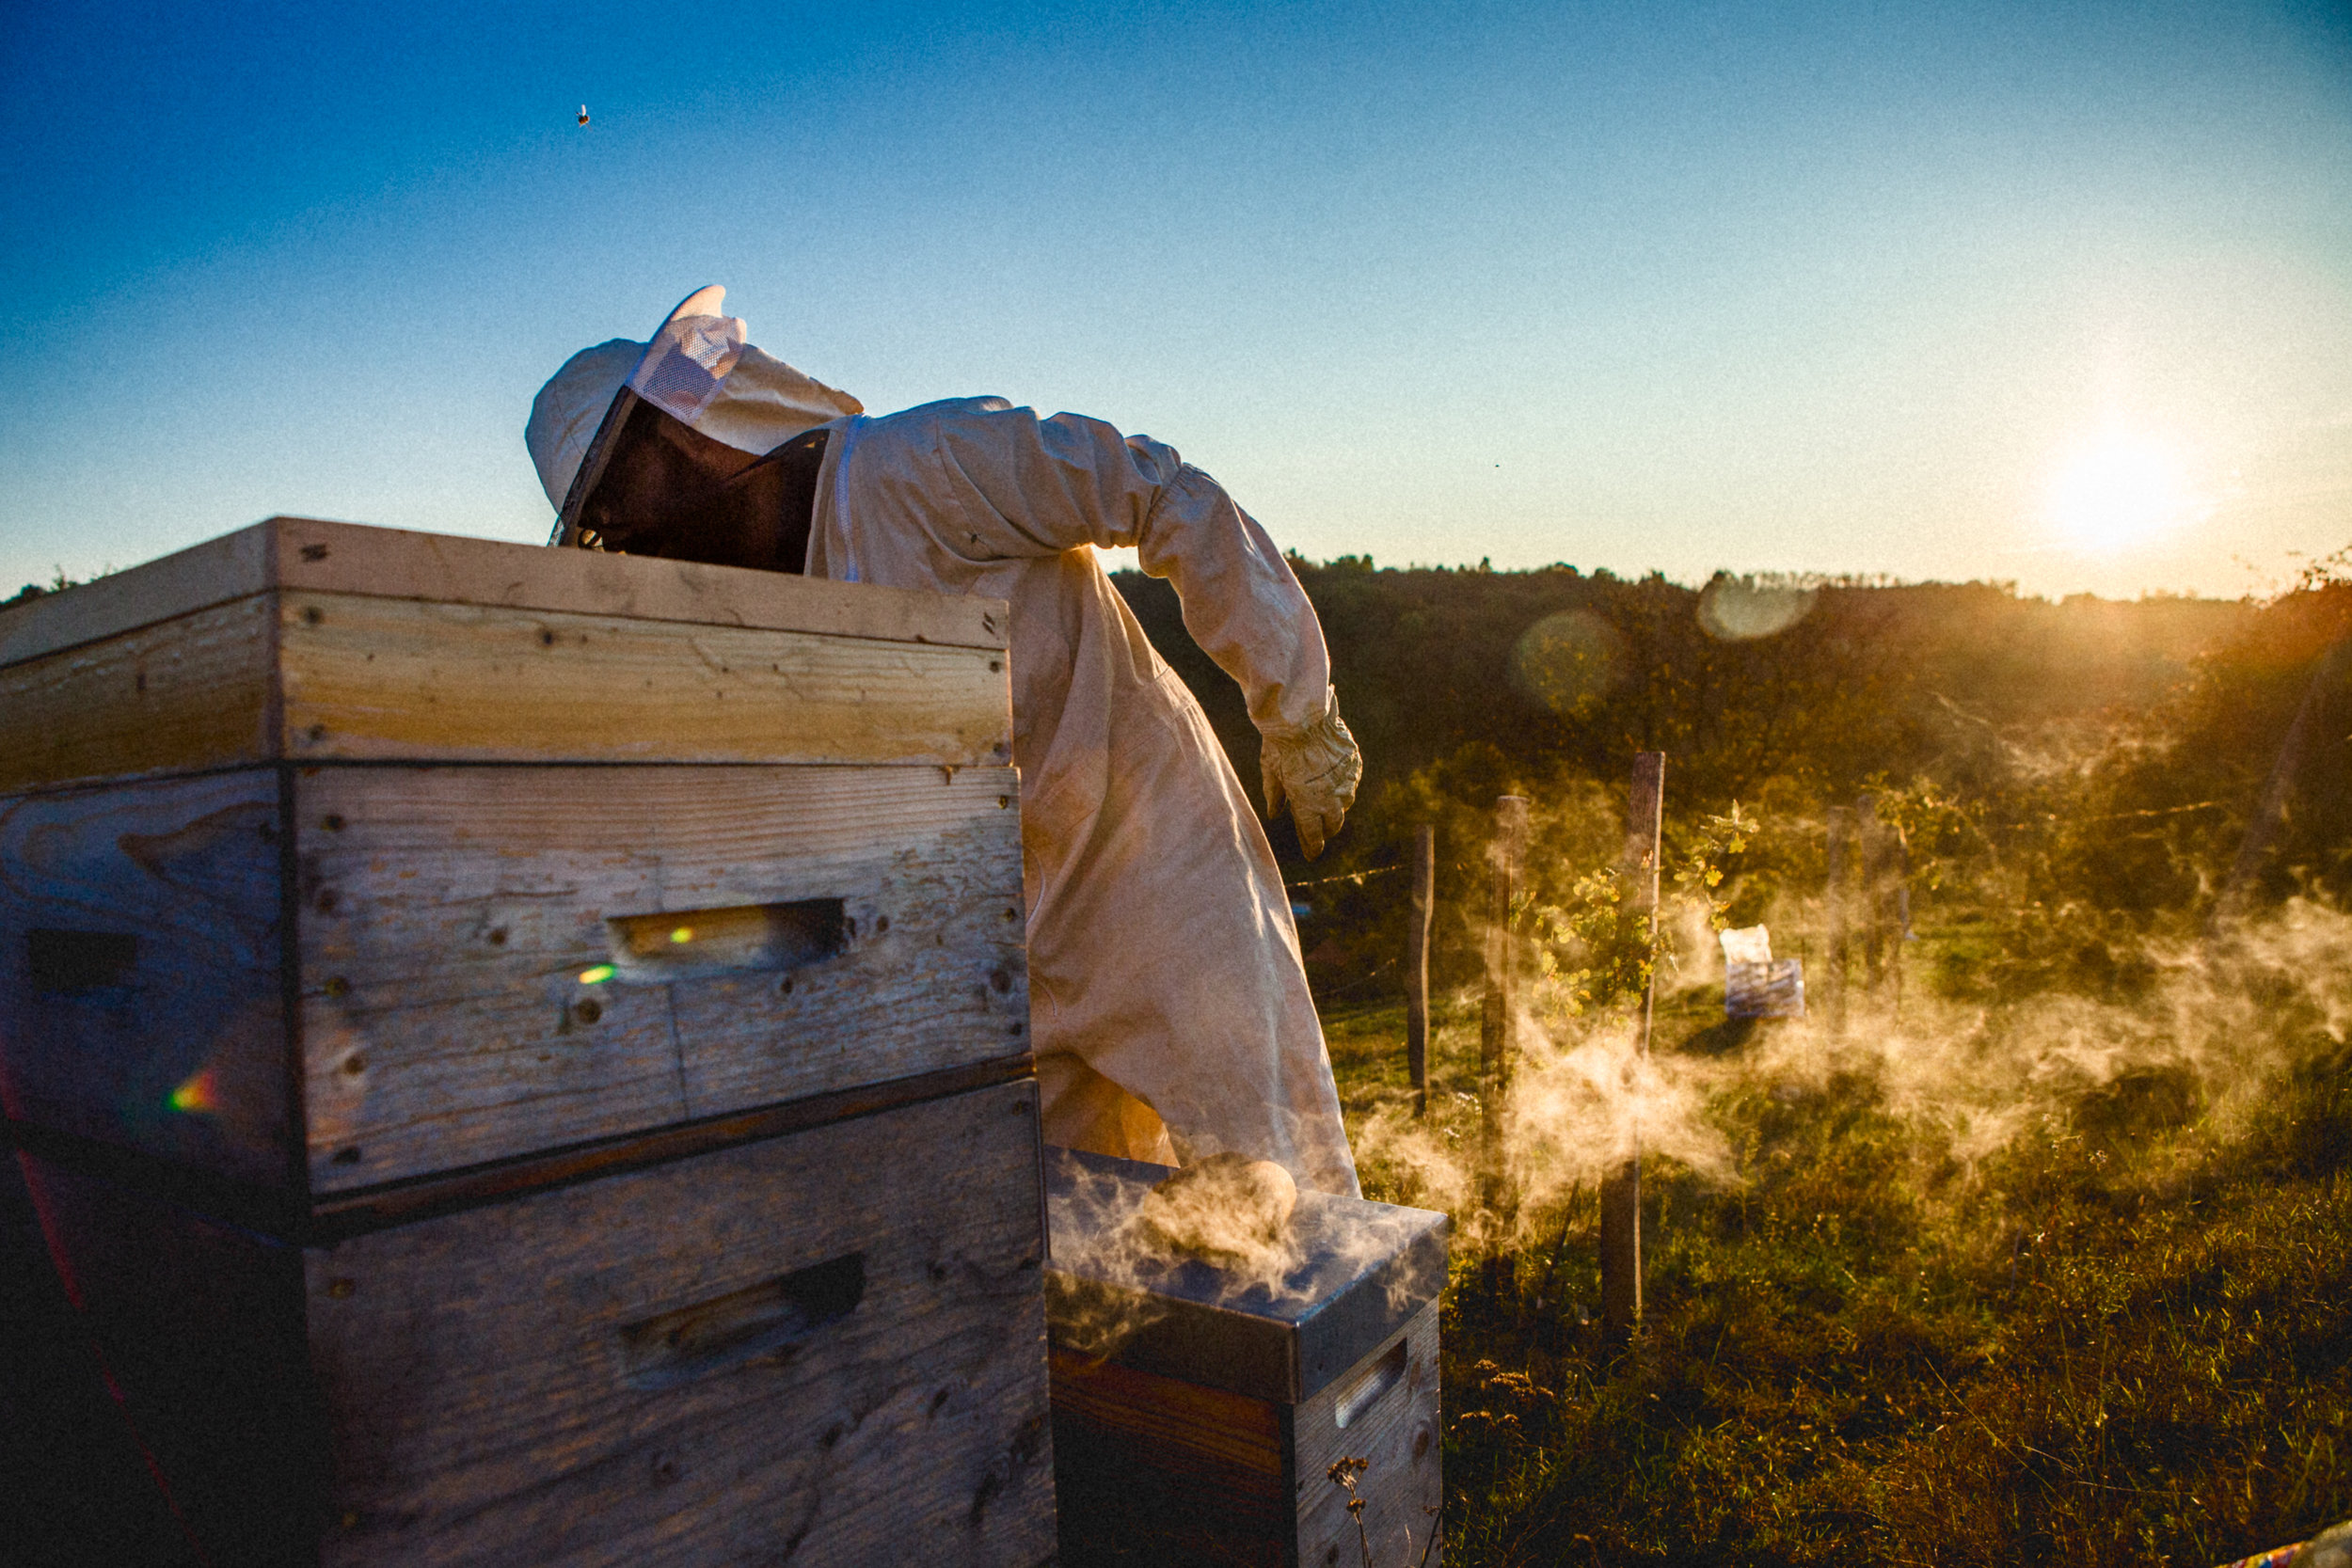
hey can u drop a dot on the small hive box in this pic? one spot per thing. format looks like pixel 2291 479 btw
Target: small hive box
pixel 1198 1408
pixel 521 1054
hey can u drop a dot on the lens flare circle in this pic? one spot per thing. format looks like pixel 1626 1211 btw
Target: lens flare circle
pixel 1569 663
pixel 1740 609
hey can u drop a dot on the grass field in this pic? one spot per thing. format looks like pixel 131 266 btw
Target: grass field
pixel 2120 1331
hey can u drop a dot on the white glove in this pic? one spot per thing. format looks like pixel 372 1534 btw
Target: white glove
pixel 1315 767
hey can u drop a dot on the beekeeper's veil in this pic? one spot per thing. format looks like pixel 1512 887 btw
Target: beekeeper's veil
pixel 698 370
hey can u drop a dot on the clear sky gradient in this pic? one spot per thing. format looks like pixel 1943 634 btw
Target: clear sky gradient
pixel 1838 289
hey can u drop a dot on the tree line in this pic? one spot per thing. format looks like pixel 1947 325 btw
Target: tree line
pixel 2107 757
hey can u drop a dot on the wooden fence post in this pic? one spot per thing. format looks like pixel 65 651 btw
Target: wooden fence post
pixel 1834 900
pixel 1498 1022
pixel 1417 964
pixel 1621 1186
pixel 1870 840
pixel 1886 873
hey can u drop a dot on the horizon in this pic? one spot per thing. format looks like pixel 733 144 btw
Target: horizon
pixel 2061 300
pixel 1121 561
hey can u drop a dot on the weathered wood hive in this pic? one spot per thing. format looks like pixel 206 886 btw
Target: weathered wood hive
pixel 1199 1407
pixel 521 1055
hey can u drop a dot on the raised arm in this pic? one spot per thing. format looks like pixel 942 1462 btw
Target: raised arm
pixel 1052 484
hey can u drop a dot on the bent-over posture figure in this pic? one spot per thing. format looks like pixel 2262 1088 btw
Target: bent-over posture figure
pixel 1169 1008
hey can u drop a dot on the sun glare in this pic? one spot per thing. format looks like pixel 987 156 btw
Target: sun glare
pixel 2118 493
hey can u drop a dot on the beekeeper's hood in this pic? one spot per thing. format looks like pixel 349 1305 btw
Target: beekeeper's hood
pixel 698 370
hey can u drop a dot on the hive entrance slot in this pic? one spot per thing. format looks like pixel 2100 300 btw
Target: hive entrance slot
pixel 1386 1373
pixel 65 963
pixel 685 944
pixel 760 1321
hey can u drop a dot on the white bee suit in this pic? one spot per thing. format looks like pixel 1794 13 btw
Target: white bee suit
pixel 1164 966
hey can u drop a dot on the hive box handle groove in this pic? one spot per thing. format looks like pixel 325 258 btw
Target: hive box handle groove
pixel 1385 1375
pixel 689 944
pixel 760 1323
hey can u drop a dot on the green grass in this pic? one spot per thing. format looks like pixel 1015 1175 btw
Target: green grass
pixel 2123 1337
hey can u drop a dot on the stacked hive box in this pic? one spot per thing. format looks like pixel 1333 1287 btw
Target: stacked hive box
pixel 1198 1408
pixel 520 1055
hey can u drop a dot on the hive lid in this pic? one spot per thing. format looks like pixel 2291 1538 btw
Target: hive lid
pixel 311 642
pixel 1354 1274
pixel 349 557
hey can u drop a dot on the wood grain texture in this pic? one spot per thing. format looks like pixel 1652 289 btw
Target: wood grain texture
pixel 1206 1431
pixel 1151 1470
pixel 1397 1431
pixel 233 566
pixel 382 679
pixel 141 1001
pixel 486 1371
pixel 347 558
pixel 339 1216
pixel 450 915
pixel 343 558
pixel 184 694
pixel 1154 1470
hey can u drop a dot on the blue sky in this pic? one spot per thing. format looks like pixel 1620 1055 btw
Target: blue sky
pixel 1844 289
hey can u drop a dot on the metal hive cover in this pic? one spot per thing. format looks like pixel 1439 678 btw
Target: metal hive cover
pixel 1354 1272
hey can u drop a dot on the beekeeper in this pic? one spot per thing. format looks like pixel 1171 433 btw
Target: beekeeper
pixel 1169 1008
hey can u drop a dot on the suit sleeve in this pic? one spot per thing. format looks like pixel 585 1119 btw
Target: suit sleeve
pixel 1053 485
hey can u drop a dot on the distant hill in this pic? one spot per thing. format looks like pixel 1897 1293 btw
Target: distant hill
pixel 1865 679
pixel 2128 761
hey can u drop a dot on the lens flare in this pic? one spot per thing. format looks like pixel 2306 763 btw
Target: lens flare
pixel 596 977
pixel 199 1096
pixel 683 934
pixel 2120 491
pixel 1569 662
pixel 1740 609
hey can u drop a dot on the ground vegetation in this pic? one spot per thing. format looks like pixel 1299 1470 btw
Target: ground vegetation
pixel 2039 1247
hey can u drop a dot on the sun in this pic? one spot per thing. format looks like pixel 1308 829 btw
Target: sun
pixel 2122 490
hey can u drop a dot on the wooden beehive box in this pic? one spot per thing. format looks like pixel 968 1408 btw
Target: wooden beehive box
pixel 1198 1411
pixel 523 1053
